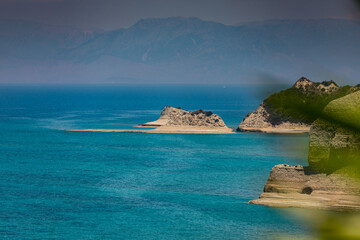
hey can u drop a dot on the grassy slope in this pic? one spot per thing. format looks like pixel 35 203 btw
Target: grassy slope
pixel 298 106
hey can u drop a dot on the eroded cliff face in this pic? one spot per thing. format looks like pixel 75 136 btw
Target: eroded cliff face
pixel 171 116
pixel 296 186
pixel 294 109
pixel 331 180
pixel 261 121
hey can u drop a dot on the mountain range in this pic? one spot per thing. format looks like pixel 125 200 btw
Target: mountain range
pixel 180 50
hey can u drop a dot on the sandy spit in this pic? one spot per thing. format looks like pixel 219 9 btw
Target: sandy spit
pixel 165 129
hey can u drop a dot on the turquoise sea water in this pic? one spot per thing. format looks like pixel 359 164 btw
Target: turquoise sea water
pixel 56 184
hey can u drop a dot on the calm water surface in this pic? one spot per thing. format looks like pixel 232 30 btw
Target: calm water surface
pixel 56 184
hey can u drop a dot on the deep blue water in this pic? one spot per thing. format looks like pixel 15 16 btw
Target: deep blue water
pixel 56 184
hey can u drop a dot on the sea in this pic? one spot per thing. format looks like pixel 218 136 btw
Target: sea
pixel 56 184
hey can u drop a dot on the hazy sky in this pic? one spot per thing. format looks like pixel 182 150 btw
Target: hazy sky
pixel 112 14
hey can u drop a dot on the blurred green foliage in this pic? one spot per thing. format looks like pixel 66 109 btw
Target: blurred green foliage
pixel 296 105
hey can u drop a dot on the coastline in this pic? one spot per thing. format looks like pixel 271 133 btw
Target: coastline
pixel 274 130
pixel 165 129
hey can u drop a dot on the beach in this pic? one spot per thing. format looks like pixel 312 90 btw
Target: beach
pixel 276 130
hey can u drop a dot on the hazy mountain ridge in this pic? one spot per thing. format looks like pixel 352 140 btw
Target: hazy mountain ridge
pixel 191 50
pixel 31 40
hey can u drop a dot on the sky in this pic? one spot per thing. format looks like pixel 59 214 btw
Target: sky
pixel 113 14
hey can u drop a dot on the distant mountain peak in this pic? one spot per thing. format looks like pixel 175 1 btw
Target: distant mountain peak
pixel 171 22
pixel 169 19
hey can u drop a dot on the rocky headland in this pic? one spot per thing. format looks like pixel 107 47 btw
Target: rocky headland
pixel 332 179
pixel 177 120
pixel 171 116
pixel 293 110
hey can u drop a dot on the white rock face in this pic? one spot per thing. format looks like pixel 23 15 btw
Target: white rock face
pixel 171 116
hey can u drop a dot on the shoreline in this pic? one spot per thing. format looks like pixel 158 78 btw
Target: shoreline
pixel 164 129
pixel 274 130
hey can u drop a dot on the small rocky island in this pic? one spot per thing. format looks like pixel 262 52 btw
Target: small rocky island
pixel 177 120
pixel 171 116
pixel 293 110
pixel 332 179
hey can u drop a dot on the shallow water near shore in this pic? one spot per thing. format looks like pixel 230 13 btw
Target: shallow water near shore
pixel 88 185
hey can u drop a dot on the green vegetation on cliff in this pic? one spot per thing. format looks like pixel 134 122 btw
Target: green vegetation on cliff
pixel 304 101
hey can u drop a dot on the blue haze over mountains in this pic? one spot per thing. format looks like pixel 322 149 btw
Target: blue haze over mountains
pixel 180 50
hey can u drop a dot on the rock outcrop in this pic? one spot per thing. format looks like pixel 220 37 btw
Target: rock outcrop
pixel 260 121
pixel 307 86
pixel 293 110
pixel 171 116
pixel 331 180
pixel 164 117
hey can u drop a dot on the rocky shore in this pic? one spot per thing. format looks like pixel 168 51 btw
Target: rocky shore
pixel 331 181
pixel 296 186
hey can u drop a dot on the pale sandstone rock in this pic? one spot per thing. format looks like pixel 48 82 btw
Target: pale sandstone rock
pixel 259 121
pixel 294 186
pixel 306 85
pixel 163 119
pixel 171 116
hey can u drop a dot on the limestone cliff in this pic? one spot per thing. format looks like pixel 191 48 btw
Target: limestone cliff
pixel 171 116
pixel 296 186
pixel 294 109
pixel 332 178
